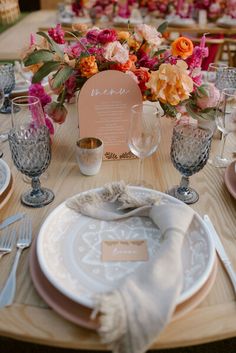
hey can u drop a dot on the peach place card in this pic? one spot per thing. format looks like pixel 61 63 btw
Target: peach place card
pixel 104 107
pixel 124 250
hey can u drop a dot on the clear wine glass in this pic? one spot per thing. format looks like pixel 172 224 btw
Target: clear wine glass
pixel 7 82
pixel 1 97
pixel 226 123
pixel 144 132
pixel 189 153
pixel 30 147
pixel 213 72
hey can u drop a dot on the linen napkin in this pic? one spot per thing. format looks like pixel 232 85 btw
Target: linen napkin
pixel 133 315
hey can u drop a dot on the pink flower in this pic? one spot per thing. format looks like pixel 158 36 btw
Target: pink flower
pixel 70 87
pixel 195 60
pixel 210 97
pixel 124 11
pixel 107 36
pixel 57 112
pixel 49 125
pixel 146 61
pixel 57 34
pixel 92 36
pixel 37 90
pixel 116 52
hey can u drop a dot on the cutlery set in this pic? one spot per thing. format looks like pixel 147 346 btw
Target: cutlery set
pixel 7 243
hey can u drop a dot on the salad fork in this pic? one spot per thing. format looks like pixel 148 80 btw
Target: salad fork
pixel 7 240
pixel 24 240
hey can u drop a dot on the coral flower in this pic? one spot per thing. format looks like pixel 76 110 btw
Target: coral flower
pixel 143 76
pixel 182 47
pixel 129 65
pixel 171 83
pixel 88 66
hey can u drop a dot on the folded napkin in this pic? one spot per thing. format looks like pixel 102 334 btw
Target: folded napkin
pixel 133 315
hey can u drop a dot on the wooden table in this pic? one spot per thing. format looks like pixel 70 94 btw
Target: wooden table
pixel 29 318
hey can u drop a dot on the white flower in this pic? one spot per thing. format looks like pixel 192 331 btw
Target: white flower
pixel 114 51
pixel 150 34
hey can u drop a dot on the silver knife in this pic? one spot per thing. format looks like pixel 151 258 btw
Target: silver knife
pixel 221 251
pixel 11 219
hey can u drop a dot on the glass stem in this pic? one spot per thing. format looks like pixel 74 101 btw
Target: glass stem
pixel 140 171
pixel 36 185
pixel 184 183
pixel 222 145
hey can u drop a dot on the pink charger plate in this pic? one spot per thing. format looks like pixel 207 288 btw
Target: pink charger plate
pixel 230 178
pixel 81 315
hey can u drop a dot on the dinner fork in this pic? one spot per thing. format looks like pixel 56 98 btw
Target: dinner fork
pixel 7 240
pixel 24 240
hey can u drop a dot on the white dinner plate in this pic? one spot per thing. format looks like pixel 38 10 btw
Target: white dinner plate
pixel 6 183
pixel 69 251
pixel 5 176
pixel 22 86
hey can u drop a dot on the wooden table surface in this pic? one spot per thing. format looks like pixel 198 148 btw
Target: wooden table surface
pixel 30 319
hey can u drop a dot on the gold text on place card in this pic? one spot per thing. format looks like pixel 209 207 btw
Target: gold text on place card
pixel 124 250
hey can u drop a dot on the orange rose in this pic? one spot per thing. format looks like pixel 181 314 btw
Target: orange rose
pixel 88 66
pixel 182 47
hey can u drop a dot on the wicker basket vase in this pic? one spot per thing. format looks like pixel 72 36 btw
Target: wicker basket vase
pixel 9 11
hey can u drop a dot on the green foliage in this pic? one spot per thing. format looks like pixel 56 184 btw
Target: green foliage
pixel 45 70
pixel 195 113
pixel 38 56
pixel 162 27
pixel 61 76
pixel 54 47
pixel 169 109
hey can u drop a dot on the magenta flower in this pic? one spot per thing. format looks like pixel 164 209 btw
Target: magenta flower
pixel 107 35
pixel 146 61
pixel 70 87
pixel 98 52
pixel 92 36
pixel 49 125
pixel 124 11
pixel 195 60
pixel 37 90
pixel 57 34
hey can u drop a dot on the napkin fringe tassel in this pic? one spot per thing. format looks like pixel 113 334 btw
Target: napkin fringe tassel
pixel 113 324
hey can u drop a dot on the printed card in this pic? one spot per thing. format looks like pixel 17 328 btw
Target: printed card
pixel 124 250
pixel 104 107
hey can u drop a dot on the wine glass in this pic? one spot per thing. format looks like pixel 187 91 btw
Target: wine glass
pixel 226 123
pixel 189 153
pixel 7 82
pixel 30 147
pixel 1 97
pixel 144 132
pixel 213 72
pixel 226 78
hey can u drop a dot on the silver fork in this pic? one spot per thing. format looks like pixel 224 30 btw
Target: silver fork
pixel 24 240
pixel 7 240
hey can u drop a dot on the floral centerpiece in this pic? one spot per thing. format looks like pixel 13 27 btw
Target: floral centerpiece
pixel 214 8
pixel 171 76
